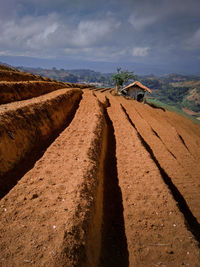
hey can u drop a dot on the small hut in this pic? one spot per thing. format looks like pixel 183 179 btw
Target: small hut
pixel 136 90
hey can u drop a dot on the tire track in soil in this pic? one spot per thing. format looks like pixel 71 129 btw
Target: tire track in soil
pixel 33 156
pixel 114 250
pixel 191 221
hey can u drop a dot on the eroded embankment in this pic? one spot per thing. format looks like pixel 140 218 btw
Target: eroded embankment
pixel 15 91
pixel 26 130
pixel 57 219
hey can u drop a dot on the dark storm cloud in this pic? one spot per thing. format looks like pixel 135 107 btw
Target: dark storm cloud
pixel 106 30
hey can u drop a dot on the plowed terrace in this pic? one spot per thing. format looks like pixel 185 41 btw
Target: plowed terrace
pixel 92 179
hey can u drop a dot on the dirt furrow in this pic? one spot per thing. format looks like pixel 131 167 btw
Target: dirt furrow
pixel 57 221
pixel 187 131
pixel 114 250
pixel 187 185
pixel 105 89
pixel 190 219
pixel 14 76
pixel 155 229
pixel 28 127
pixel 170 138
pixel 16 91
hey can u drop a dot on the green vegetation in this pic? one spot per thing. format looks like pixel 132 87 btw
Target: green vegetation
pixel 171 108
pixel 122 77
pixel 170 95
pixel 175 90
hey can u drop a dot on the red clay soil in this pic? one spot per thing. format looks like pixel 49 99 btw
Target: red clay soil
pixel 13 76
pixel 118 187
pixel 187 130
pixel 15 91
pixel 155 229
pixel 19 138
pixel 184 177
pixel 55 220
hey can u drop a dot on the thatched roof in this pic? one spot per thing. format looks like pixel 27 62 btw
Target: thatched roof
pixel 144 88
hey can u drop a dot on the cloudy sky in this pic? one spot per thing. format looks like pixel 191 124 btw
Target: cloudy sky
pixel 148 36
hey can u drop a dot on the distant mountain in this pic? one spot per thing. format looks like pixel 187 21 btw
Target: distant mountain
pixel 60 75
pixel 74 76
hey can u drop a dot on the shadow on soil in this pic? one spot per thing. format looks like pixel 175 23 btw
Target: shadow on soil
pixel 155 106
pixel 191 221
pixel 156 134
pixel 182 140
pixel 11 178
pixel 114 251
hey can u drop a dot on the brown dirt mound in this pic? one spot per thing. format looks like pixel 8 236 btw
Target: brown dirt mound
pixel 14 76
pixel 175 165
pixel 5 67
pixel 19 137
pixel 62 198
pixel 81 86
pixel 15 91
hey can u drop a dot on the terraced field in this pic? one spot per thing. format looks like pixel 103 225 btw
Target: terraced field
pixel 88 178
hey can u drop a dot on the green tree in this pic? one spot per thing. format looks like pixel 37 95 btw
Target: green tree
pixel 122 77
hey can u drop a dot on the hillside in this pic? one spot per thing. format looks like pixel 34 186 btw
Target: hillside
pixel 88 178
pixel 181 91
pixel 82 75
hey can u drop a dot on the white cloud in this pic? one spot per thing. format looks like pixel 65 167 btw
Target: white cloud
pixel 89 32
pixel 140 51
pixel 103 53
pixel 28 32
pixel 193 43
pixel 52 35
pixel 139 23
